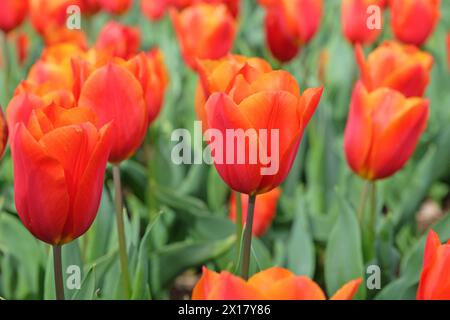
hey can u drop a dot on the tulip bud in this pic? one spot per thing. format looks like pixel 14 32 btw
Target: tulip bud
pixel 413 21
pixel 273 284
pixel 119 40
pixel 434 284
pixel 400 67
pixel 3 133
pixel 204 32
pixel 265 210
pixel 12 13
pixel 383 129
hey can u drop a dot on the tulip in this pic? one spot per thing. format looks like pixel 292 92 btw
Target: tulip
pixel 383 129
pixel 448 49
pixel 265 210
pixel 290 24
pixel 119 40
pixel 434 281
pixel 271 284
pixel 413 21
pixel 400 67
pixel 115 6
pixel 204 32
pixel 355 18
pixel 3 133
pixel 12 13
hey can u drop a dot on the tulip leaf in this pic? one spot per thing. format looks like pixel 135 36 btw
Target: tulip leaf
pixel 217 191
pixel 87 288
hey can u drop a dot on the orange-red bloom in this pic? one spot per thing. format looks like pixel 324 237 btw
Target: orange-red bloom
pixel 400 67
pixel 290 24
pixel 265 210
pixel 12 13
pixel 59 160
pixel 261 106
pixel 434 280
pixel 204 31
pixel 413 21
pixel 115 6
pixel 382 131
pixel 272 284
pixel 3 133
pixel 356 22
pixel 448 49
pixel 119 40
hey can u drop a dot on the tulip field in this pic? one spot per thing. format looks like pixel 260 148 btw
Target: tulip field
pixel 225 150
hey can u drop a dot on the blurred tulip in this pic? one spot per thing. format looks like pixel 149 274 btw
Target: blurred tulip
pixel 413 21
pixel 90 7
pixel 59 161
pixel 12 13
pixel 290 24
pixel 434 280
pixel 265 210
pixel 22 47
pixel 3 133
pixel 383 129
pixel 269 101
pixel 400 67
pixel 273 284
pixel 356 24
pixel 219 76
pixel 204 32
pixel 448 49
pixel 115 6
pixel 119 40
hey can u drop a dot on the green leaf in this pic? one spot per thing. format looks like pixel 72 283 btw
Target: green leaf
pixel 87 289
pixel 217 191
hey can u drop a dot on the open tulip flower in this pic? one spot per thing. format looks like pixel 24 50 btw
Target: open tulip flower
pixel 400 67
pixel 204 31
pixel 265 210
pixel 271 284
pixel 12 13
pixel 413 21
pixel 354 19
pixel 434 281
pixel 289 24
pixel 382 131
pixel 3 133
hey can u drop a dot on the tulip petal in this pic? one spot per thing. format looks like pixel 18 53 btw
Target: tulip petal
pixel 264 280
pixel 295 288
pixel 348 291
pixel 205 285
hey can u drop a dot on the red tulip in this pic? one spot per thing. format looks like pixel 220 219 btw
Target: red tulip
pixel 3 133
pixel 413 21
pixel 204 32
pixel 259 107
pixel 400 67
pixel 115 6
pixel 272 284
pixel 355 20
pixel 59 161
pixel 382 131
pixel 448 49
pixel 434 280
pixel 265 210
pixel 119 40
pixel 12 13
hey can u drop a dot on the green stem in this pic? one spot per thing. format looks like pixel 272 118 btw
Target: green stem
pixel 121 230
pixel 362 202
pixel 238 224
pixel 57 267
pixel 248 237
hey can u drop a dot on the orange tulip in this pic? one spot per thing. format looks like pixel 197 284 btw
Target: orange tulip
pixel 269 103
pixel 204 32
pixel 265 210
pixel 119 40
pixel 355 19
pixel 219 75
pixel 413 21
pixel 272 284
pixel 382 131
pixel 400 67
pixel 290 24
pixel 59 159
pixel 3 133
pixel 115 6
pixel 434 280
pixel 12 13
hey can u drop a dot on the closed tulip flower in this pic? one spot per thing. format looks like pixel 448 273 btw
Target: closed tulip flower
pixel 434 281
pixel 383 129
pixel 3 133
pixel 271 284
pixel 12 13
pixel 204 32
pixel 59 160
pixel 119 40
pixel 270 102
pixel 400 67
pixel 413 21
pixel 356 23
pixel 265 210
